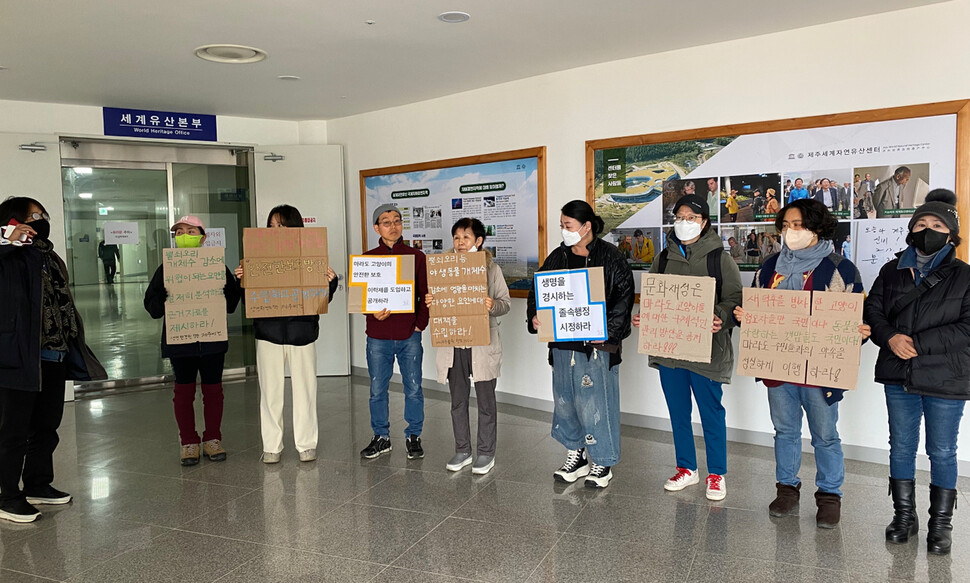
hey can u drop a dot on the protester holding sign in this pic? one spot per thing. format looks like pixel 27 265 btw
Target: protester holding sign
pixel 807 261
pixel 41 346
pixel 694 248
pixel 919 310
pixel 203 359
pixel 398 335
pixel 289 340
pixel 481 363
pixel 586 375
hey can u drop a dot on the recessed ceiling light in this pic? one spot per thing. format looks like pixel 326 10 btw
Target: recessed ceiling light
pixel 288 78
pixel 82 170
pixel 85 195
pixel 232 54
pixel 368 22
pixel 453 17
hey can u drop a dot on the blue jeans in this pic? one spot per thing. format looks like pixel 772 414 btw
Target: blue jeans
pixel 678 384
pixel 586 394
pixel 786 404
pixel 380 366
pixel 942 426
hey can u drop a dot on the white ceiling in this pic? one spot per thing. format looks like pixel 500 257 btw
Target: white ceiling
pixel 139 54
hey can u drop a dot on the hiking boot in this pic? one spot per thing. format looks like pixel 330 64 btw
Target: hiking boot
pixel 575 467
pixel 785 500
pixel 18 510
pixel 413 446
pixel 213 450
pixel 190 454
pixel 47 495
pixel 681 480
pixel 377 446
pixel 483 464
pixel 829 509
pixel 459 461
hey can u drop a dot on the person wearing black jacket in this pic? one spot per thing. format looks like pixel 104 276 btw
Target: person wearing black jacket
pixel 586 375
pixel 205 359
pixel 288 340
pixel 919 311
pixel 41 346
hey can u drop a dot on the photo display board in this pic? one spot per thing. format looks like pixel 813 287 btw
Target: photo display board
pixel 506 191
pixel 872 169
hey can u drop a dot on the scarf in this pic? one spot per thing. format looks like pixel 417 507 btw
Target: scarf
pixel 59 323
pixel 794 264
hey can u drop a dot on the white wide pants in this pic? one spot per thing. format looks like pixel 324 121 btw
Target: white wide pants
pixel 270 360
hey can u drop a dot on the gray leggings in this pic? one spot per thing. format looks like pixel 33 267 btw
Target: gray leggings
pixel 460 386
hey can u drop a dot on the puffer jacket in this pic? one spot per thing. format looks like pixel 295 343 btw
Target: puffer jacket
pixel 938 322
pixel 695 263
pixel 486 360
pixel 618 282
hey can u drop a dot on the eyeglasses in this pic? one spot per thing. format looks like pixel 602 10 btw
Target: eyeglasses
pixel 690 219
pixel 39 216
pixel 389 224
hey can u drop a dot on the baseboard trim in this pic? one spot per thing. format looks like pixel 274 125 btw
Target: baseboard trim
pixel 747 436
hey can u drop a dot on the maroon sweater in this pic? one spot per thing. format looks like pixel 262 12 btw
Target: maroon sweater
pixel 401 326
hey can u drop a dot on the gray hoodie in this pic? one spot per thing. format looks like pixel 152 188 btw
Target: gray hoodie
pixel 721 366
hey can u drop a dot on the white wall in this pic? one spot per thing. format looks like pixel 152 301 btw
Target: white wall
pixel 901 58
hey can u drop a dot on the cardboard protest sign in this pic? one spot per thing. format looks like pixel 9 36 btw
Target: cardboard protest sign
pixel 459 284
pixel 379 282
pixel 571 305
pixel 801 337
pixel 195 310
pixel 285 272
pixel 676 316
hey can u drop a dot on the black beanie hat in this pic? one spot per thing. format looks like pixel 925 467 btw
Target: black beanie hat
pixel 940 203
pixel 694 202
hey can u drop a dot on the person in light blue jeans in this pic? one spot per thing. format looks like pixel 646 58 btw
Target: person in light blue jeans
pixel 587 405
pixel 380 364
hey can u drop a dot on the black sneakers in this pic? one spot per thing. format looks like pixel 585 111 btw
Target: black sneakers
pixel 576 466
pixel 47 495
pixel 413 445
pixel 599 476
pixel 379 445
pixel 18 510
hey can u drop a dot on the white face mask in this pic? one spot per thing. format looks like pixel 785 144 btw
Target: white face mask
pixel 571 238
pixel 687 230
pixel 472 249
pixel 796 240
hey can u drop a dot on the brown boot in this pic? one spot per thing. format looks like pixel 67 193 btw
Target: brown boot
pixel 189 455
pixel 829 509
pixel 785 501
pixel 213 450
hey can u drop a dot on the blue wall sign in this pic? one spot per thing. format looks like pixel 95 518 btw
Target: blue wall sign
pixel 168 125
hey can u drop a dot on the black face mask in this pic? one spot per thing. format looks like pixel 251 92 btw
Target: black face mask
pixel 929 241
pixel 43 228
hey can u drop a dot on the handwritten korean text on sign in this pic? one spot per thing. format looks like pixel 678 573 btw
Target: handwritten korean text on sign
pixel 285 272
pixel 195 310
pixel 801 337
pixel 676 316
pixel 459 284
pixel 571 305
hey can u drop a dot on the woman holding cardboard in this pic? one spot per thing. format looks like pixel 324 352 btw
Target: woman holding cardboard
pixel 586 375
pixel 919 310
pixel 483 364
pixel 289 340
pixel 198 359
pixel 807 261
pixel 694 248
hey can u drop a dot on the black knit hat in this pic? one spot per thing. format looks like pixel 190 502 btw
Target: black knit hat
pixel 694 202
pixel 941 203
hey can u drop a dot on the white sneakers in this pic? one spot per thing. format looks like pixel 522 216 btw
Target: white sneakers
pixel 716 488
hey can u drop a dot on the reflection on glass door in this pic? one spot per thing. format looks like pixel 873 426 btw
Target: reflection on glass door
pixel 109 277
pixel 219 196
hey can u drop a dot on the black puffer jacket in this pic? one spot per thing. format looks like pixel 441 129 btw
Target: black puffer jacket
pixel 618 280
pixel 290 330
pixel 939 323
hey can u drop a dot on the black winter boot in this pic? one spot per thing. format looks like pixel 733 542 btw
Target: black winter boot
pixel 905 521
pixel 940 527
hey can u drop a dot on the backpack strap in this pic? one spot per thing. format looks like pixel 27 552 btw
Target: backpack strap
pixel 924 286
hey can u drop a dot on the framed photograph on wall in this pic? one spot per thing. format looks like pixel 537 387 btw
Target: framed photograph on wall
pixel 505 190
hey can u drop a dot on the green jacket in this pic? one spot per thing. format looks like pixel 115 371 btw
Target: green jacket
pixel 721 366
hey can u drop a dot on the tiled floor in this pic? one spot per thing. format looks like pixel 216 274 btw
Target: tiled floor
pixel 139 516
